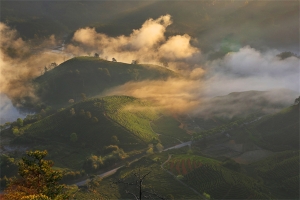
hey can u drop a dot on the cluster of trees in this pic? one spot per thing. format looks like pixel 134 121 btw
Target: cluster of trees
pixel 287 54
pixel 113 154
pixel 18 127
pixel 223 128
pixel 69 175
pixel 50 66
pixel 85 114
pixel 37 179
pixel 159 147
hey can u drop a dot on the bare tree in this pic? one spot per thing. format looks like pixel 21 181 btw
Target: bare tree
pixel 138 184
pixel 297 100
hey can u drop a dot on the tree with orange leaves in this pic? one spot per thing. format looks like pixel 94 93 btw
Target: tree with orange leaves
pixel 37 179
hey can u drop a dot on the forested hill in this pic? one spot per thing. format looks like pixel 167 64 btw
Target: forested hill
pixel 91 75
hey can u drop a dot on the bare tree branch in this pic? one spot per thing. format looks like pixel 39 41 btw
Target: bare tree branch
pixel 139 185
pixel 127 192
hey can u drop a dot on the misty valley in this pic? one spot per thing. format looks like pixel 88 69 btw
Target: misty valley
pixel 149 100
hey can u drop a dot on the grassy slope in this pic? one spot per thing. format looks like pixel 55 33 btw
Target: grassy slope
pixel 91 76
pixel 281 173
pixel 126 117
pixel 162 182
pixel 168 129
pixel 222 183
pixel 279 131
pixel 275 132
pixel 133 114
pixel 53 133
pixel 183 164
pixel 207 175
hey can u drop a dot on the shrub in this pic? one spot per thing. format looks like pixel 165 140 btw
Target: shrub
pixel 73 137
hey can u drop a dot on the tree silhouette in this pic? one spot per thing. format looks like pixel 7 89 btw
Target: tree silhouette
pixel 297 101
pixel 140 189
pixel 83 96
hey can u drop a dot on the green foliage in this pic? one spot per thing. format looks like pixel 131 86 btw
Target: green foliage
pixel 53 133
pixel 37 178
pixel 297 101
pixel 158 180
pixel 133 114
pixel 207 196
pixel 83 96
pixel 159 147
pixel 15 131
pixel 232 165
pixel 94 119
pixel 93 163
pixel 71 175
pixel 20 121
pixel 282 171
pixel 115 140
pixel 73 137
pixel 149 151
pixel 9 167
pixel 223 128
pixel 72 111
pixel 286 54
pixel 222 183
pixel 281 130
pixel 169 130
pixel 36 197
pixel 170 196
pixel 94 183
pixel 88 114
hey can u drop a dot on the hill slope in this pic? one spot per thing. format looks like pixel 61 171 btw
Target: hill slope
pixel 281 173
pixel 91 76
pixel 281 130
pixel 94 122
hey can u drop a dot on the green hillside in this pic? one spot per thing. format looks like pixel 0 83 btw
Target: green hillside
pixel 94 122
pixel 279 131
pixel 209 176
pixel 280 173
pixel 222 183
pixel 168 130
pixel 158 180
pixel 183 164
pixel 133 114
pixel 91 76
pixel 94 131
